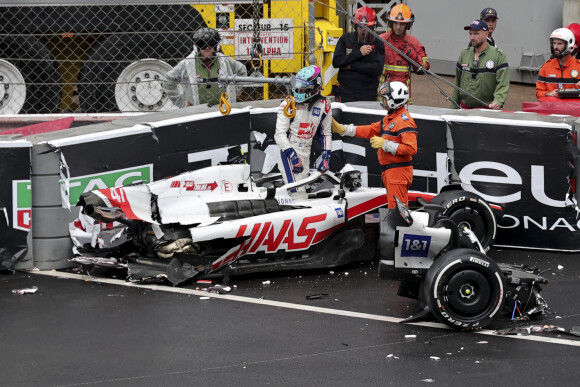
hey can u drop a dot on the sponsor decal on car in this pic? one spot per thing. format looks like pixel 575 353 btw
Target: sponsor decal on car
pixel 191 186
pixel 22 195
pixel 415 245
pixel 267 237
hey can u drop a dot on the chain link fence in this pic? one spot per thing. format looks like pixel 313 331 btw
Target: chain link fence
pixel 114 57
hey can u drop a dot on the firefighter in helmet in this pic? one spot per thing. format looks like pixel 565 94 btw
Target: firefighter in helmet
pixel 396 67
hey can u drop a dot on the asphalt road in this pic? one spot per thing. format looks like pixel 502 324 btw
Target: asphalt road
pixel 86 331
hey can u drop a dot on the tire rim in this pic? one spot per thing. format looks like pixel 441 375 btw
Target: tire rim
pixel 470 218
pixel 12 88
pixel 468 293
pixel 139 88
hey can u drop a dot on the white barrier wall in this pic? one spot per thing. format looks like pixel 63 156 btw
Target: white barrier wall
pixel 522 161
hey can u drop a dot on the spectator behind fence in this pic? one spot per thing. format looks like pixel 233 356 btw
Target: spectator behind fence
pixel 359 58
pixel 194 80
pixel 482 72
pixel 396 67
pixel 562 70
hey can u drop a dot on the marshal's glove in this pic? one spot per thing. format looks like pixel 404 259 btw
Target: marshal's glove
pixel 290 153
pixel 377 142
pixel 384 144
pixel 335 127
pixel 323 161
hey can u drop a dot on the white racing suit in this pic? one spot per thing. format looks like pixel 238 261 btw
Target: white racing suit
pixel 311 117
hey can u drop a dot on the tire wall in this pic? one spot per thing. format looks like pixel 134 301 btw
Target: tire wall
pixel 518 161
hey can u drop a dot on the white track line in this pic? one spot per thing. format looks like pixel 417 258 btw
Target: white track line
pixel 288 305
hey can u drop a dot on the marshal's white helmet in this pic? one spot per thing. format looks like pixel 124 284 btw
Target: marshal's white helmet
pixel 567 36
pixel 396 93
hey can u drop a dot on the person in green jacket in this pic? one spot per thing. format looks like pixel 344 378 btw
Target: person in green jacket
pixel 482 72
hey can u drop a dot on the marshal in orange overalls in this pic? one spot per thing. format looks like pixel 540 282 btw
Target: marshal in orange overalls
pixel 397 169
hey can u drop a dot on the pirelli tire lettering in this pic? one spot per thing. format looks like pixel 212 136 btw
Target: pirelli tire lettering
pixel 464 289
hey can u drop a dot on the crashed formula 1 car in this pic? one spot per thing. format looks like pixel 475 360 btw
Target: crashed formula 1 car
pixel 222 220
pixel 463 287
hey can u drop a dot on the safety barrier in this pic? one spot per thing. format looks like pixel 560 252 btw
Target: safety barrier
pixel 114 56
pixel 528 172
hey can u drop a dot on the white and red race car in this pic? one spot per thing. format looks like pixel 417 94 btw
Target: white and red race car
pixel 222 220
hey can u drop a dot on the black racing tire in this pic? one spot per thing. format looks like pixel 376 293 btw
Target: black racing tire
pixel 111 55
pixel 471 210
pixel 464 289
pixel 39 69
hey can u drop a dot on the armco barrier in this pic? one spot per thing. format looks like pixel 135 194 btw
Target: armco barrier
pixel 521 161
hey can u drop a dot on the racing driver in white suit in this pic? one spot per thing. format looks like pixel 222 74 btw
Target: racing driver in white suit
pixel 294 135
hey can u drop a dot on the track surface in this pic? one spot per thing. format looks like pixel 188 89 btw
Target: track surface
pixel 90 332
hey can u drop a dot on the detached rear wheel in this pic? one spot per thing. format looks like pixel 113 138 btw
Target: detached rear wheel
pixel 464 289
pixel 469 210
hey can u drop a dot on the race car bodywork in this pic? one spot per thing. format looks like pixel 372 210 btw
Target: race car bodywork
pixel 225 220
pixel 220 220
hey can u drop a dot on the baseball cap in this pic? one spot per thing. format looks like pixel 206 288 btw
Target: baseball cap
pixel 477 25
pixel 488 12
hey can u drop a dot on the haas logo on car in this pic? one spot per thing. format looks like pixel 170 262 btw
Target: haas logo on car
pixel 266 237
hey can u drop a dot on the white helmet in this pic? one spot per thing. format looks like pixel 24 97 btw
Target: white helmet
pixel 396 93
pixel 567 36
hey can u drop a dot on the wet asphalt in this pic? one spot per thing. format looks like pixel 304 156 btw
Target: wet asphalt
pixel 75 332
